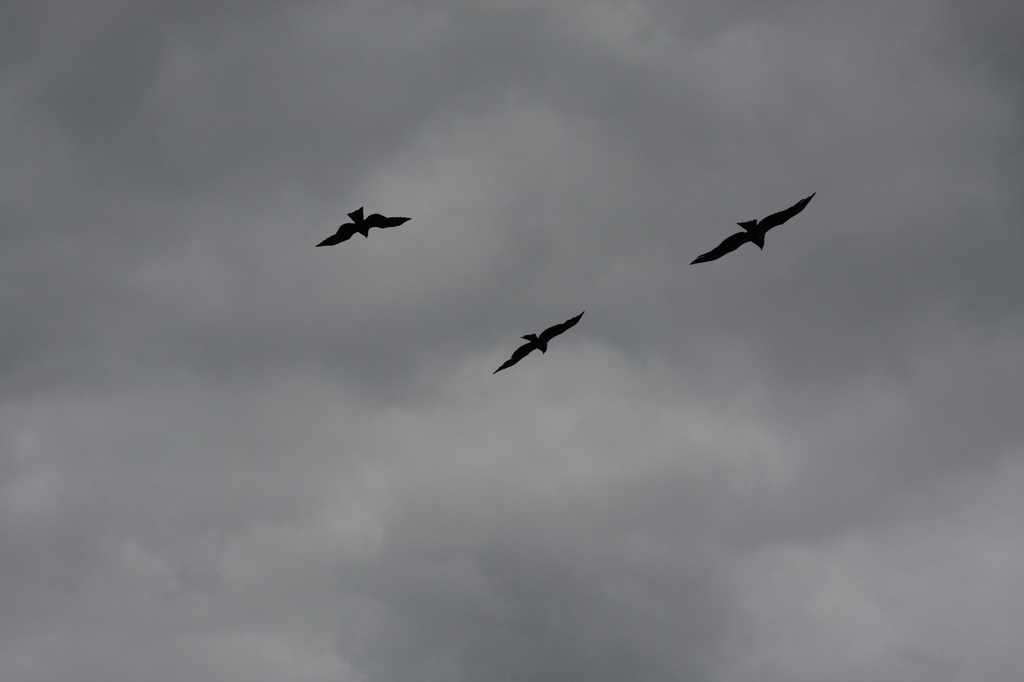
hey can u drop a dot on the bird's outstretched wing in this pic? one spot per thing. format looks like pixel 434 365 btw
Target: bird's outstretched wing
pixel 517 355
pixel 344 232
pixel 356 216
pixel 776 219
pixel 731 243
pixel 552 332
pixel 378 220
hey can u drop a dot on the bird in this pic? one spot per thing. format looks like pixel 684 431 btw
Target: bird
pixel 361 226
pixel 753 231
pixel 539 341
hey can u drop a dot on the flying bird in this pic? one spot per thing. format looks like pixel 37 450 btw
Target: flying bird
pixel 361 226
pixel 753 231
pixel 539 342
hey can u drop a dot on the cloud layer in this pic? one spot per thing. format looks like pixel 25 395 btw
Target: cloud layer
pixel 227 455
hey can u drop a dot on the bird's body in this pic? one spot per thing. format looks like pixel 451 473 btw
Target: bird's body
pixel 361 225
pixel 538 341
pixel 753 231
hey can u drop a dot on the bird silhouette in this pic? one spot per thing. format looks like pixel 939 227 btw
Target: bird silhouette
pixel 753 231
pixel 360 225
pixel 538 342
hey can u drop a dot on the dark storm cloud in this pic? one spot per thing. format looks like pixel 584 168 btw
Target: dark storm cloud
pixel 227 454
pixel 516 568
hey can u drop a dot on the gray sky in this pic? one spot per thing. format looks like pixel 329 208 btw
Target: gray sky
pixel 227 455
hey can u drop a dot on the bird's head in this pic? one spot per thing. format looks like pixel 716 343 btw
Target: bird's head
pixel 530 337
pixel 756 234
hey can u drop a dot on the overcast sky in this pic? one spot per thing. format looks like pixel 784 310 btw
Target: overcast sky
pixel 227 455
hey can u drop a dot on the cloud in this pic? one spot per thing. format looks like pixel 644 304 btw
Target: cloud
pixel 225 454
